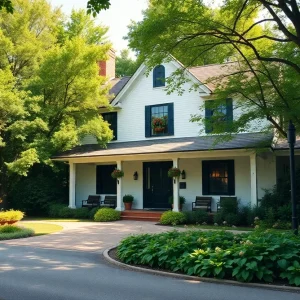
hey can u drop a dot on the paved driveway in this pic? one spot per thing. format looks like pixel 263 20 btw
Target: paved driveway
pixel 88 236
pixel 69 266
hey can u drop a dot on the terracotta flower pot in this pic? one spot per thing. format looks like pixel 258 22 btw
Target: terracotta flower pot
pixel 2 222
pixel 128 205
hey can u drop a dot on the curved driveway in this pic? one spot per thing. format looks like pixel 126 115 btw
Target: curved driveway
pixel 69 265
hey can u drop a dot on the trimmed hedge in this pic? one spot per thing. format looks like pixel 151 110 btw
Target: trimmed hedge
pixel 106 214
pixel 172 218
pixel 62 211
pixel 8 232
pixel 250 257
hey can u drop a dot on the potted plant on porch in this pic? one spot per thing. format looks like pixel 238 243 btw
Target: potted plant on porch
pixel 181 201
pixel 128 199
pixel 116 173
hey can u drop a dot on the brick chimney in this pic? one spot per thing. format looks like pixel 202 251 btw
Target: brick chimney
pixel 107 68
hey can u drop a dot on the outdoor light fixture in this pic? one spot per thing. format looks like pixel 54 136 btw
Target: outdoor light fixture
pixel 183 175
pixel 135 175
pixel 291 135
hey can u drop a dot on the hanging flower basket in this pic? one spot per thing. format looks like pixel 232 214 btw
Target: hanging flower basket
pixel 174 172
pixel 117 173
pixel 159 124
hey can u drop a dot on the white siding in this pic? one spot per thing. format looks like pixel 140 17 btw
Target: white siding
pixel 131 118
pixel 266 172
pixel 85 182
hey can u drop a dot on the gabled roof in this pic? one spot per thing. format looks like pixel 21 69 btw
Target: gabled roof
pixel 188 144
pixel 117 85
pixel 202 74
pixel 205 73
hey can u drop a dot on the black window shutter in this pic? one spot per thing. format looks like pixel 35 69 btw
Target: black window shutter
pixel 105 184
pixel 231 178
pixel 171 118
pixel 205 177
pixel 114 125
pixel 229 110
pixel 98 180
pixel 208 114
pixel 147 121
pixel 155 76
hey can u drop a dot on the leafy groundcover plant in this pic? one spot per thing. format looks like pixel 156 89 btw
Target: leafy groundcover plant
pixel 249 257
pixel 8 232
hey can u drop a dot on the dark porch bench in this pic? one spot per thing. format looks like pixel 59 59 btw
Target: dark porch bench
pixel 109 201
pixel 92 201
pixel 202 203
pixel 231 201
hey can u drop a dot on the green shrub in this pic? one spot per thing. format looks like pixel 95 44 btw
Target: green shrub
pixel 107 214
pixel 54 210
pixel 92 213
pixel 34 193
pixel 62 211
pixel 11 215
pixel 9 232
pixel 81 213
pixel 172 218
pixel 196 217
pixel 232 219
pixel 9 229
pixel 256 256
pixel 219 218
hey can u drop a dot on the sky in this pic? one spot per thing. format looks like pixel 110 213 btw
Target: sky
pixel 117 17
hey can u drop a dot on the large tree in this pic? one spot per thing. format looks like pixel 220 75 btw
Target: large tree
pixel 261 37
pixel 50 90
pixel 93 6
pixel 125 66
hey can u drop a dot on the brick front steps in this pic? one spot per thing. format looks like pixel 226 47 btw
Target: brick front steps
pixel 141 215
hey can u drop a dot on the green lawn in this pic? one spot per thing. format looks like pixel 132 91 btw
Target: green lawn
pixel 42 228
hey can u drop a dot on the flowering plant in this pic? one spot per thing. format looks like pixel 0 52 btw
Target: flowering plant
pixel 159 124
pixel 117 173
pixel 174 172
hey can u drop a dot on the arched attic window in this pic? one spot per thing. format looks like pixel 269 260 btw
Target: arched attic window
pixel 159 76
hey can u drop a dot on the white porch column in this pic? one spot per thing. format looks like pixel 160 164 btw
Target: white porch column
pixel 175 188
pixel 72 184
pixel 119 188
pixel 253 179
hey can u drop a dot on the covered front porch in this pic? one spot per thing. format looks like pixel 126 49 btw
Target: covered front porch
pixel 232 168
pixel 145 177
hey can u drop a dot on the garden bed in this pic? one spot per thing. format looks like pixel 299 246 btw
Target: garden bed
pixel 259 257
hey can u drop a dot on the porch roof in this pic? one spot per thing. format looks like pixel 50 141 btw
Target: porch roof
pixel 188 144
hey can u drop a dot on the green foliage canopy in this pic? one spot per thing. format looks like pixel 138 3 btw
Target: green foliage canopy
pixel 262 38
pixel 50 88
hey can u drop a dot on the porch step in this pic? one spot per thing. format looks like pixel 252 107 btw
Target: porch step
pixel 141 215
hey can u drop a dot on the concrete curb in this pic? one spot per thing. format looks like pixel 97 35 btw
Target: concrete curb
pixel 195 278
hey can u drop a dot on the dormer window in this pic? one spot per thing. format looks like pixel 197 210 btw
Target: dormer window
pixel 159 76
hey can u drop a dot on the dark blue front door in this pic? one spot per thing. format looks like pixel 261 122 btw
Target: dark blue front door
pixel 158 186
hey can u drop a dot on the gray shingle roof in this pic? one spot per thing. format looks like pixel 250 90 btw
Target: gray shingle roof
pixel 188 144
pixel 117 85
pixel 283 144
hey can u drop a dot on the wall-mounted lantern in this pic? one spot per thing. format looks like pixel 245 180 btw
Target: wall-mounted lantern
pixel 183 175
pixel 135 175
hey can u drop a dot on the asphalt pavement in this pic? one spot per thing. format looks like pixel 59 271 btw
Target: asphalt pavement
pixel 69 265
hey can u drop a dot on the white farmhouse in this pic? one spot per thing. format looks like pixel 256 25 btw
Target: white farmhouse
pixel 153 132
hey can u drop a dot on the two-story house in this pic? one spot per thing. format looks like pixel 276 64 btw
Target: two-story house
pixel 153 132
